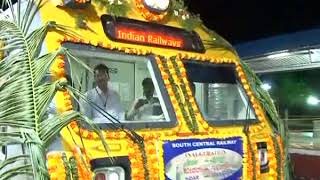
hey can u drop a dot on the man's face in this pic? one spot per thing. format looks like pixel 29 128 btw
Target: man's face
pixel 148 90
pixel 101 77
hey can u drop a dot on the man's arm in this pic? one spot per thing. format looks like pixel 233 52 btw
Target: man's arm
pixel 137 107
pixel 132 112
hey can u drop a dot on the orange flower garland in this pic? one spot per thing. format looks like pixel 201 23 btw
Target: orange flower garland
pixel 136 161
pixel 149 16
pixel 83 163
pixel 56 167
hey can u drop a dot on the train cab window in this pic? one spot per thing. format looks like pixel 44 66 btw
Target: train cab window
pixel 122 88
pixel 220 97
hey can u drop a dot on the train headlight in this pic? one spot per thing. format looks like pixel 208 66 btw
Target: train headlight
pixel 110 173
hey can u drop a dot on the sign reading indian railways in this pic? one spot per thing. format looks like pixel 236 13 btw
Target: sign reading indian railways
pixel 147 37
pixel 139 32
pixel 203 159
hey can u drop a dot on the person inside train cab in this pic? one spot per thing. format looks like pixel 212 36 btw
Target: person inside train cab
pixel 104 97
pixel 148 107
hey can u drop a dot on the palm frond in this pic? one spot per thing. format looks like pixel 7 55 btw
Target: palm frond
pixel 17 171
pixel 263 96
pixel 14 159
pixel 277 124
pixel 35 39
pixel 24 97
pixel 44 95
pixel 216 41
pixel 10 138
pixel 51 126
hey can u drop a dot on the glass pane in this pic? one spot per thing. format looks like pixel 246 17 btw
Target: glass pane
pixel 120 88
pixel 219 95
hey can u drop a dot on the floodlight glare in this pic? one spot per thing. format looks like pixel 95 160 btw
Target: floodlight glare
pixel 312 100
pixel 266 86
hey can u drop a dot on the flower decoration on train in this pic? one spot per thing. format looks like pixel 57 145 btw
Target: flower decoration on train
pixel 157 6
pixel 153 10
pixel 115 7
pixel 74 4
pixel 82 1
pixel 186 19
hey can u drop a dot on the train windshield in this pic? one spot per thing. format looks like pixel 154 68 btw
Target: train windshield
pixel 121 88
pixel 220 96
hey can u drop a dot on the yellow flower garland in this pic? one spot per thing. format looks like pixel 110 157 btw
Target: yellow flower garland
pixel 56 167
pixel 149 16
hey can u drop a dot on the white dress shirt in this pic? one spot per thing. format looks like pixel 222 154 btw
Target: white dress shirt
pixel 109 102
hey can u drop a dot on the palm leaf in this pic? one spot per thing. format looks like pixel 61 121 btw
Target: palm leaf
pixel 24 98
pixel 13 160
pixel 23 169
pixel 277 124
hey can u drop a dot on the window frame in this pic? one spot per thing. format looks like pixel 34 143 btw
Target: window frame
pixel 155 74
pixel 224 122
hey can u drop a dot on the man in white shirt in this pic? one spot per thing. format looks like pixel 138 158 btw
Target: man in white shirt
pixel 104 97
pixel 148 107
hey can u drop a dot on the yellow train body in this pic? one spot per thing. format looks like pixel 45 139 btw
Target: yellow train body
pixel 152 159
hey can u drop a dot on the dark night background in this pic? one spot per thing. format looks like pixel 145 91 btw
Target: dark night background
pixel 240 21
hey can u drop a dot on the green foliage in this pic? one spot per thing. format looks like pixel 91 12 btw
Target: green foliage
pixel 215 41
pixel 186 19
pixel 24 97
pixel 190 22
pixel 193 122
pixel 277 124
pixel 178 91
pixel 115 7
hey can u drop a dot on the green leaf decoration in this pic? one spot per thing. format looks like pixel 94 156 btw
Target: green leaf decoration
pixel 277 124
pixel 24 97
pixel 187 20
pixel 115 7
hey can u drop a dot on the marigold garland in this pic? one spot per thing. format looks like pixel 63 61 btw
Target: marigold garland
pixel 56 166
pixel 167 65
pixel 83 164
pixel 82 1
pixel 183 79
pixel 136 161
pixel 148 15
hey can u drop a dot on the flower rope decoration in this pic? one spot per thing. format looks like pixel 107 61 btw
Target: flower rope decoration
pixel 148 15
pixel 178 68
pixel 278 156
pixel 176 91
pixel 137 156
pixel 62 169
pixel 83 163
pixel 66 166
pixel 252 153
pixel 82 1
pixel 73 168
pixel 56 166
pixel 275 122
